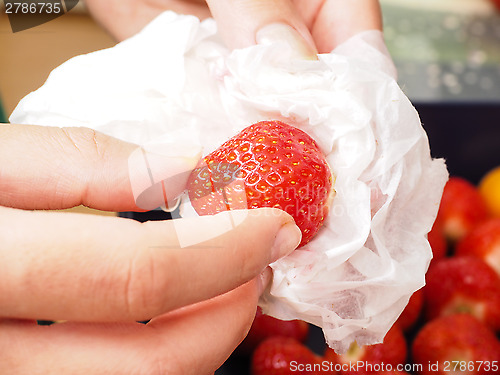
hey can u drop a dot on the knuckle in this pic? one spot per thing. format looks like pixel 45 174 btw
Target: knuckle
pixel 85 140
pixel 250 264
pixel 160 365
pixel 163 358
pixel 144 286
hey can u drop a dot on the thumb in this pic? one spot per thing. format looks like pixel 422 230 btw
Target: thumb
pixel 247 22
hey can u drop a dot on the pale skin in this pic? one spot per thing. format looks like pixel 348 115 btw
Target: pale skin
pixel 103 274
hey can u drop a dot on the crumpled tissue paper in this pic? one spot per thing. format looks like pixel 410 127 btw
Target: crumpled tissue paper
pixel 176 81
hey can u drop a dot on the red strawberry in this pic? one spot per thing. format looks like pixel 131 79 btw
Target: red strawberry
pixel 265 326
pixel 437 240
pixel 462 208
pixel 283 356
pixel 463 285
pixel 456 344
pixel 268 164
pixel 370 359
pixel 483 242
pixel 411 313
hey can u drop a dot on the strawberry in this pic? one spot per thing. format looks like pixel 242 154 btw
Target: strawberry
pixel 265 326
pixel 462 207
pixel 283 356
pixel 370 359
pixel 456 344
pixel 411 313
pixel 437 240
pixel 483 242
pixel 268 164
pixel 463 284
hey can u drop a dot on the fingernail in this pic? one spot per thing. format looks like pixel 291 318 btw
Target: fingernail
pixel 158 174
pixel 264 279
pixel 280 32
pixel 286 241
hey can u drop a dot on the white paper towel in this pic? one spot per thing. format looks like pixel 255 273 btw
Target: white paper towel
pixel 176 81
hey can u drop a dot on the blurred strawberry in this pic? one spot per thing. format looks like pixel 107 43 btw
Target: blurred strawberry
pixel 265 326
pixel 483 242
pixel 461 208
pixel 364 359
pixel 456 344
pixel 283 356
pixel 411 313
pixel 463 285
pixel 437 240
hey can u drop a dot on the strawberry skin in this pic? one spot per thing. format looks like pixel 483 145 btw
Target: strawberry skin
pixel 268 164
pixel 463 284
pixel 453 341
pixel 437 240
pixel 483 242
pixel 462 207
pixel 283 356
pixel 392 351
pixel 411 313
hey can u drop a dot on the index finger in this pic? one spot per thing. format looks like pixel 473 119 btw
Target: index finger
pixel 55 168
pixel 338 20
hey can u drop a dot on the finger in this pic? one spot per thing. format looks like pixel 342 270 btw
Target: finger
pixel 247 22
pixel 65 266
pixel 125 18
pixel 224 322
pixel 338 20
pixel 194 340
pixel 55 168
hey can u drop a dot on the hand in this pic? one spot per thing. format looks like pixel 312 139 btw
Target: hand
pixel 101 274
pixel 124 18
pixel 316 25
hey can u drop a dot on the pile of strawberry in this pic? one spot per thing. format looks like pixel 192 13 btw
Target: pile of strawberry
pixel 450 326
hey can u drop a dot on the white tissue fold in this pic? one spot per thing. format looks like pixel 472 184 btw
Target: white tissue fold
pixel 176 81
